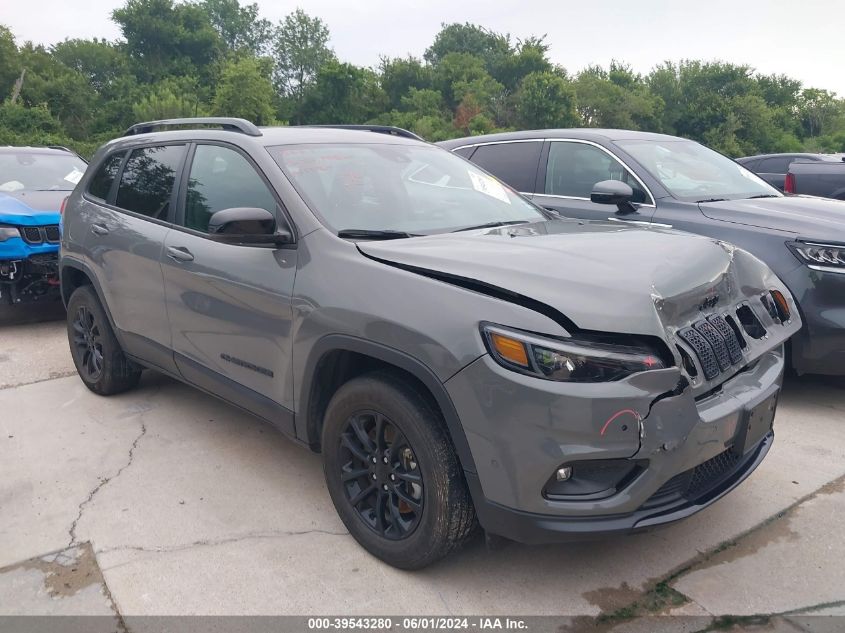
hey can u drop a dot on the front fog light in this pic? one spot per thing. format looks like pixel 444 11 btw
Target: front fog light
pixel 564 473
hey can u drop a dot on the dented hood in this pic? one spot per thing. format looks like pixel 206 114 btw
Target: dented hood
pixel 598 275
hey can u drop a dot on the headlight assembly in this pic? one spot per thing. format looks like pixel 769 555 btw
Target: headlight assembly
pixel 818 256
pixel 569 360
pixel 8 232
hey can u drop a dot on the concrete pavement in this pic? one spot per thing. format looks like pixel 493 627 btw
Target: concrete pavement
pixel 189 506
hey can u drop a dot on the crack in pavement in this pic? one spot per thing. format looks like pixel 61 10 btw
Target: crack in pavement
pixel 103 482
pixel 166 549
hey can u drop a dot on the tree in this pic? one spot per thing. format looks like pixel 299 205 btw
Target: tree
pixel 469 39
pixel 169 99
pixel 400 76
pixel 301 50
pixel 616 98
pixel 546 100
pixel 243 91
pixel 164 39
pixel 9 70
pixel 343 93
pixel 239 27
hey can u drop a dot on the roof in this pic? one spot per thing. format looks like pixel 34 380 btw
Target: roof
pixel 586 134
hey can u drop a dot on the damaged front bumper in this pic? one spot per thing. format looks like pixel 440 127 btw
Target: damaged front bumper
pixel 668 455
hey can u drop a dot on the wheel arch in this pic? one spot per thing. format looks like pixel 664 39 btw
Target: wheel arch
pixel 337 358
pixel 74 274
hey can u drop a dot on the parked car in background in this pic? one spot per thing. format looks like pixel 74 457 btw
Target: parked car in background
pixel 773 167
pixel 33 183
pixel 821 178
pixel 819 174
pixel 665 181
pixel 453 350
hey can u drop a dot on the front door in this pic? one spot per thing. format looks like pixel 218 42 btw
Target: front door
pixel 572 168
pixel 230 305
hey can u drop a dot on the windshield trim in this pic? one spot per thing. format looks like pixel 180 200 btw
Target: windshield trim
pixel 692 199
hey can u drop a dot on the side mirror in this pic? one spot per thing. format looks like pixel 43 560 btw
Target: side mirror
pixel 614 192
pixel 247 225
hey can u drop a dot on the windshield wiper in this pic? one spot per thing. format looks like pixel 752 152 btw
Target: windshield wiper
pixel 368 234
pixel 490 225
pixel 711 200
pixel 763 195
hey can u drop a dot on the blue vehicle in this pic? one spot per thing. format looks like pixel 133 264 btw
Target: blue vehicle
pixel 34 181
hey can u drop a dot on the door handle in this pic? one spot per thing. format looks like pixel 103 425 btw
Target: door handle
pixel 179 254
pixel 99 229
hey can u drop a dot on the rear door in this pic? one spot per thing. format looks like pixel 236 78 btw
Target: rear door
pixel 131 203
pixel 570 169
pixel 230 305
pixel 512 162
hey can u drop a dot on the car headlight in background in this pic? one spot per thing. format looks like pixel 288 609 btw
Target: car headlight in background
pixel 8 232
pixel 818 256
pixel 571 360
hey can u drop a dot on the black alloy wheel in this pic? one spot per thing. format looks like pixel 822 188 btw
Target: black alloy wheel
pixel 381 475
pixel 87 339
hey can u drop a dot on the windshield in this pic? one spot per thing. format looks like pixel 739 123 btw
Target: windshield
pixel 414 189
pixel 35 171
pixel 694 173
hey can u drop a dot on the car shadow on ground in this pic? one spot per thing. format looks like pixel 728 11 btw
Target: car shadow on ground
pixel 31 313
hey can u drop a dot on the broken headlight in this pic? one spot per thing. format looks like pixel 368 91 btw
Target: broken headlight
pixel 8 232
pixel 569 360
pixel 824 257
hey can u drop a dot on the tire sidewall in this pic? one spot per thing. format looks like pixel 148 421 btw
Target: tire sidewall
pixel 427 441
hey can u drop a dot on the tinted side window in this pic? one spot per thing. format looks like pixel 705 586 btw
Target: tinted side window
pixel 776 165
pixel 147 180
pixel 221 178
pixel 466 152
pixel 513 163
pixel 101 182
pixel 575 168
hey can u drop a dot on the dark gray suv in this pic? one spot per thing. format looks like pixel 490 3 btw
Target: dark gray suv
pixel 458 355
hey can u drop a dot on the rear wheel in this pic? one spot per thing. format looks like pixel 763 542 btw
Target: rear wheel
pixel 98 357
pixel 392 472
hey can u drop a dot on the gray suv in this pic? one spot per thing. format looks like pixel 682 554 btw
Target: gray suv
pixel 457 354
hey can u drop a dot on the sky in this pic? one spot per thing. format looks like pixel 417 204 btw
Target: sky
pixel 799 38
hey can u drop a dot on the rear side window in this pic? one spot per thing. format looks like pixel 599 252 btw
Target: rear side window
pixel 146 185
pixel 776 165
pixel 221 178
pixel 101 182
pixel 513 163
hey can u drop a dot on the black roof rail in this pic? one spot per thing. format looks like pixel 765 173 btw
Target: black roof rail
pixel 381 129
pixel 230 124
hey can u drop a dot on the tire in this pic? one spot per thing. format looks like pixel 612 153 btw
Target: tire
pixel 409 536
pixel 98 357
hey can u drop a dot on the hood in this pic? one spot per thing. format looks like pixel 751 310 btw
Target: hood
pixel 29 208
pixel 804 216
pixel 594 275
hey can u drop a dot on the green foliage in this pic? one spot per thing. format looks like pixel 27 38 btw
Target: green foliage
pixel 546 100
pixel 196 57
pixel 243 91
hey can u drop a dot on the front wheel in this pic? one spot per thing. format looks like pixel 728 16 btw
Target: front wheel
pixel 393 474
pixel 97 355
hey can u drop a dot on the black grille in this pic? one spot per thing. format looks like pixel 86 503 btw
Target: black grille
pixel 52 233
pixel 32 234
pixel 716 342
pixel 692 484
pixel 708 475
pixel 703 351
pixel 731 340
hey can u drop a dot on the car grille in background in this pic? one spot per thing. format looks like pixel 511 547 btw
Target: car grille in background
pixel 52 232
pixel 32 234
pixel 41 234
pixel 717 341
